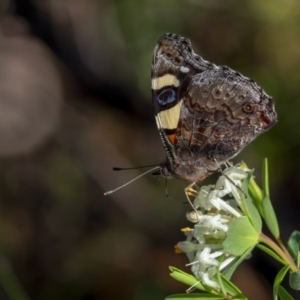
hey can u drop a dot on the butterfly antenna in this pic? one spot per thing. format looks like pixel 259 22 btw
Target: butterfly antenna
pixel 132 180
pixel 132 168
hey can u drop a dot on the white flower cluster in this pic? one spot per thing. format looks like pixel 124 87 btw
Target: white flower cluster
pixel 212 216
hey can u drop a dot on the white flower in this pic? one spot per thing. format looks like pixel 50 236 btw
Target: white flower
pixel 216 206
pixel 202 200
pixel 220 204
pixel 210 224
pixel 204 266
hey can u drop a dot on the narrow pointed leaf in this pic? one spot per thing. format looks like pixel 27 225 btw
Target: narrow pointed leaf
pixel 194 296
pixel 256 194
pixel 270 217
pixel 188 279
pixel 249 208
pixel 220 282
pixel 284 294
pixel 271 253
pixel 279 277
pixel 231 289
pixel 265 178
pixel 230 270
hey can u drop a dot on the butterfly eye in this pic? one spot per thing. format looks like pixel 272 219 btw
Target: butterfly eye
pixel 248 108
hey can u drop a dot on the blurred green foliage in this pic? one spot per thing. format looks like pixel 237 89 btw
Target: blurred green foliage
pixel 65 240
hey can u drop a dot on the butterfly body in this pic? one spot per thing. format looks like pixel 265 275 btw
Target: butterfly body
pixel 205 114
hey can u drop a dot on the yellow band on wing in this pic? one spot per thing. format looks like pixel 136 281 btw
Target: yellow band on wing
pixel 168 119
pixel 166 80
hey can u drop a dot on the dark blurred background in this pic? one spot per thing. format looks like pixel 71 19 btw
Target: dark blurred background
pixel 75 101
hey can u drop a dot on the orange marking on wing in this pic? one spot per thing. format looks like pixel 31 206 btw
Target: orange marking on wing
pixel 171 138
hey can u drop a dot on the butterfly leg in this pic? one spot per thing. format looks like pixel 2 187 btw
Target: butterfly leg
pixel 167 191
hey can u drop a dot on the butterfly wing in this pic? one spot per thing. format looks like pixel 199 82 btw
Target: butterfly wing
pixel 204 113
pixel 221 113
pixel 174 64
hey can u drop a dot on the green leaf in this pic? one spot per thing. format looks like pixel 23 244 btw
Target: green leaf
pixel 194 296
pixel 241 236
pixel 271 253
pixel 249 208
pixel 187 279
pixel 190 280
pixel 279 277
pixel 265 178
pixel 294 280
pixel 256 193
pixel 220 282
pixel 294 246
pixel 270 217
pixel 230 270
pixel 231 289
pixel 284 294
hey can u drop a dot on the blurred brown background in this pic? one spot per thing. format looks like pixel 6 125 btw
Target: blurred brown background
pixel 75 101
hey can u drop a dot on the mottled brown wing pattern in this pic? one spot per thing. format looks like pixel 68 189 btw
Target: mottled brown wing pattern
pixel 220 116
pixel 173 66
pixel 205 113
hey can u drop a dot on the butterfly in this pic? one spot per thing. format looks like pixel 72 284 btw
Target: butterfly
pixel 205 114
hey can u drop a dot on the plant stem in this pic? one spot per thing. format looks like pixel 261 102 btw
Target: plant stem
pixel 280 243
pixel 285 256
